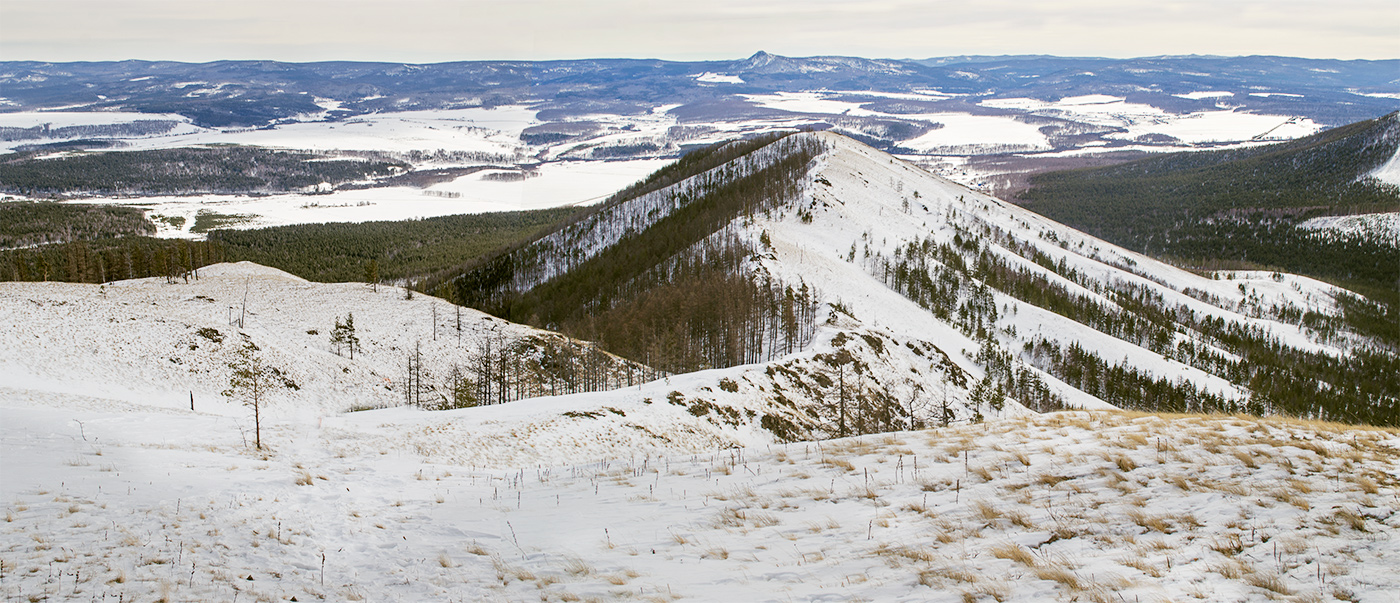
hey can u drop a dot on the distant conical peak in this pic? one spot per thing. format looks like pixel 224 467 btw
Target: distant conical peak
pixel 760 59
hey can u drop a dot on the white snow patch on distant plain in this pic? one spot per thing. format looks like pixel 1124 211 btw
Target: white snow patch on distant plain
pixel 806 102
pixel 970 134
pixel 1395 95
pixel 1099 109
pixel 1205 94
pixel 559 184
pixel 1223 126
pixel 717 78
pixel 471 130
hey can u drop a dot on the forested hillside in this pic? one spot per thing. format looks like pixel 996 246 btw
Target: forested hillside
pixel 736 264
pixel 225 169
pixel 627 273
pixel 1238 208
pixel 400 251
pixel 24 224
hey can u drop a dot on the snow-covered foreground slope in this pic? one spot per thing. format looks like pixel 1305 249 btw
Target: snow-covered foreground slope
pixel 150 343
pixel 151 346
pixel 107 504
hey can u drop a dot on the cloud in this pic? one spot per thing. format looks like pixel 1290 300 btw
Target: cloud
pixel 445 30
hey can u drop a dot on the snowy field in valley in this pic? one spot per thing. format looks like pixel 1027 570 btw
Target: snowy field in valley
pixel 557 184
pixel 567 172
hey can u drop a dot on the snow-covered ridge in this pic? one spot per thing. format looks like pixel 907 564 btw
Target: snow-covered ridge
pixel 152 346
pixel 579 242
pixel 866 205
pixel 156 345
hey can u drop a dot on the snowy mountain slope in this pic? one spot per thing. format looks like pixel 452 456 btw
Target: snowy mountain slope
pixel 151 347
pixel 862 206
pixel 1066 506
pixel 150 343
pixel 1004 295
pixel 863 192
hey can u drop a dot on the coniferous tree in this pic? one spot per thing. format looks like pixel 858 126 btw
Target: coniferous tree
pixel 338 336
pixel 352 342
pixel 372 275
pixel 343 336
pixel 250 381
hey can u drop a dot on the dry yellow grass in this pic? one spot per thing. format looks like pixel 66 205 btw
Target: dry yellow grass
pixel 1268 581
pixel 1061 574
pixel 1014 552
pixel 1143 566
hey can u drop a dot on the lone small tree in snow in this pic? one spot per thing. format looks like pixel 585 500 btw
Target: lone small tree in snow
pixel 372 274
pixel 250 382
pixel 343 336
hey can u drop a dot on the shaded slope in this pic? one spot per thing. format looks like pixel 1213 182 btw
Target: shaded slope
pixel 651 246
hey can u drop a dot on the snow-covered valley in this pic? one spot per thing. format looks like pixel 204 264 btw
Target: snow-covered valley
pixel 579 170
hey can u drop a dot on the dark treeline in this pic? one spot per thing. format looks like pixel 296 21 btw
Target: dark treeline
pixel 700 310
pixel 1124 386
pixel 1142 202
pixel 24 224
pixel 401 251
pixel 228 169
pixel 674 294
pixel 405 250
pixel 103 260
pixel 478 280
pixel 143 127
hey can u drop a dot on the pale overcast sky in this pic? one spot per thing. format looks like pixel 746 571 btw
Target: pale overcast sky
pixel 423 31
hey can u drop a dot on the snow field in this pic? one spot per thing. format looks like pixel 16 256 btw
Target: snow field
pixel 1389 172
pixel 1222 125
pixel 146 343
pixel 1065 506
pixel 558 184
pixel 1384 228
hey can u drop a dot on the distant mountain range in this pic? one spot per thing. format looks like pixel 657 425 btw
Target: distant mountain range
pixel 261 93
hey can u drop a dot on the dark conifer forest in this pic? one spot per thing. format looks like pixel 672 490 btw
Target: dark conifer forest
pixel 221 169
pixel 403 251
pixel 1239 209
